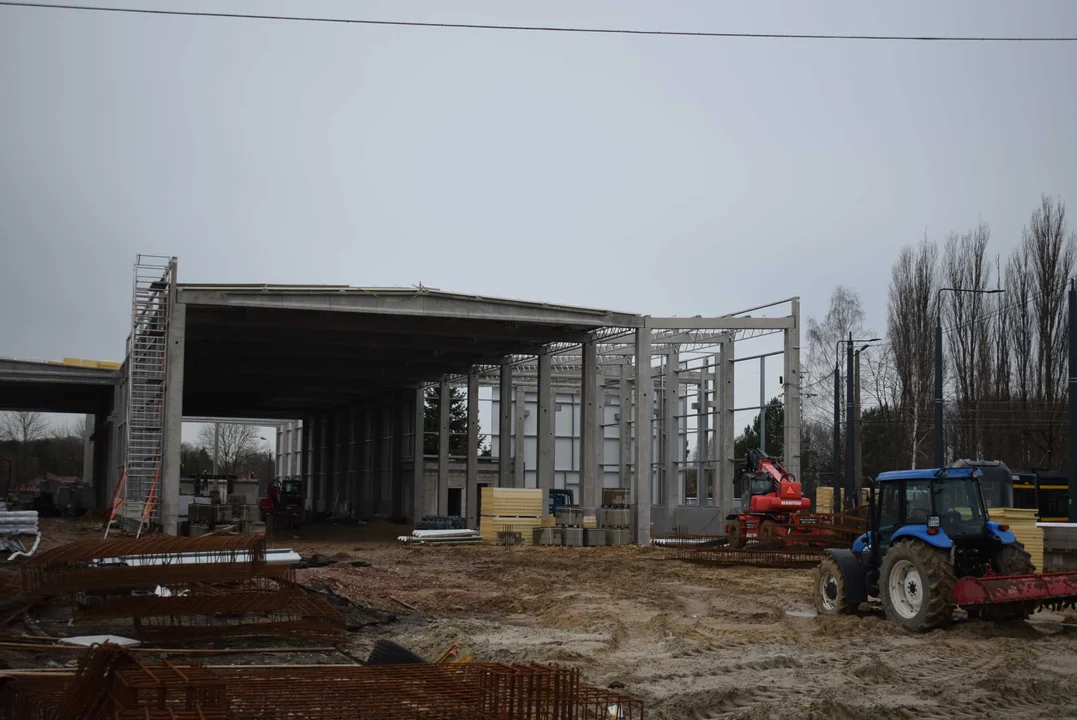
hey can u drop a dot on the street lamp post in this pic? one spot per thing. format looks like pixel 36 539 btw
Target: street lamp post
pixel 939 447
pixel 850 429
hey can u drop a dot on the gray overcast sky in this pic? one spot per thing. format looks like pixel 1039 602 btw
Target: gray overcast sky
pixel 661 175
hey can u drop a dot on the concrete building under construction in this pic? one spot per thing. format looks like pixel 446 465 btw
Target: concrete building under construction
pixel 345 371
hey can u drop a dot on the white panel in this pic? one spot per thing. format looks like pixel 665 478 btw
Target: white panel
pixel 564 457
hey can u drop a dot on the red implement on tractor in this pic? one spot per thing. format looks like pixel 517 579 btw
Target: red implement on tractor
pixel 773 511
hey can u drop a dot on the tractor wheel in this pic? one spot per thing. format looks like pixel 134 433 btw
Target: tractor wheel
pixel 1013 560
pixel 1010 560
pixel 734 535
pixel 830 589
pixel 915 585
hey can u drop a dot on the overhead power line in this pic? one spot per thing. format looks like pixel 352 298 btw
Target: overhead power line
pixel 546 28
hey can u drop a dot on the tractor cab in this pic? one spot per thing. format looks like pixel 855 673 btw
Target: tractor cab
pixel 944 509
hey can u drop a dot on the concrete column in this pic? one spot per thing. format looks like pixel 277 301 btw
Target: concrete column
pixel 309 431
pixel 791 384
pixel 323 463
pixel 726 460
pixel 401 418
pixel 762 404
pixel 598 447
pixel 471 489
pixel 546 438
pixel 338 497
pixel 354 492
pixel 641 495
pixel 519 455
pixel 671 437
pixel 504 427
pixel 101 440
pixel 702 416
pixel 169 486
pixel 590 429
pixel 368 504
pixel 443 448
pixel 386 424
pixel 624 429
pixel 418 498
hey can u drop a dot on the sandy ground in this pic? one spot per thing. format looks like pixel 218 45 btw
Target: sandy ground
pixel 696 641
pixel 693 641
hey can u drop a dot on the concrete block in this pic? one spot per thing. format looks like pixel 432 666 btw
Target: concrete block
pixel 548 535
pixel 569 516
pixel 613 517
pixel 614 496
pixel 618 536
pixel 198 529
pixel 572 537
pixel 594 537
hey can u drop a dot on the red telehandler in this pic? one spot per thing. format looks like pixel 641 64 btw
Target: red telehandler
pixel 772 509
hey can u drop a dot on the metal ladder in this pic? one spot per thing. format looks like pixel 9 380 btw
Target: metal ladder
pixel 147 354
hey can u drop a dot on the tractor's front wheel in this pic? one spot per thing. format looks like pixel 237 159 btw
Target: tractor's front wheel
pixel 915 585
pixel 734 534
pixel 830 597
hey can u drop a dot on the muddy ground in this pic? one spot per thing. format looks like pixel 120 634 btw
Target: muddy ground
pixel 693 641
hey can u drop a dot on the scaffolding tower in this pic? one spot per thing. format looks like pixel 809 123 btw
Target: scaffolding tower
pixel 147 354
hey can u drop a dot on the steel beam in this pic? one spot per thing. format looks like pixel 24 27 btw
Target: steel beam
pixel 720 323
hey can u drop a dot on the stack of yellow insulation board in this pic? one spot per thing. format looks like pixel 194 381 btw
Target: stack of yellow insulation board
pixel 590 521
pixel 1022 523
pixel 510 509
pixel 824 499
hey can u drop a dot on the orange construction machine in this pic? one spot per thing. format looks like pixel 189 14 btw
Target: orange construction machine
pixel 771 509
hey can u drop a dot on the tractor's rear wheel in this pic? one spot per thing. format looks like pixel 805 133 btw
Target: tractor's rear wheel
pixel 830 597
pixel 734 534
pixel 1010 560
pixel 915 585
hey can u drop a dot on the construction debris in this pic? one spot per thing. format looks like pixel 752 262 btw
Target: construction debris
pixel 16 524
pixel 112 683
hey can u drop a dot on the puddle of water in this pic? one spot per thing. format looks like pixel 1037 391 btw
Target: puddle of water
pixel 800 613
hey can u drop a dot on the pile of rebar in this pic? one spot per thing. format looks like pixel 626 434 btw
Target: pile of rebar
pixel 183 589
pixel 133 563
pixel 111 684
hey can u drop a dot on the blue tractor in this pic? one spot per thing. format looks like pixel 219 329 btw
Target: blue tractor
pixel 931 547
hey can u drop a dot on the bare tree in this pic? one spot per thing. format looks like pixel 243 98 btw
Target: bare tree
pixel 965 267
pixel 911 327
pixel 22 426
pixel 234 445
pixel 844 314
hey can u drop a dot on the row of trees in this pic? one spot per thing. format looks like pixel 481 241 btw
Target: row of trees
pixel 239 450
pixel 1005 353
pixel 31 447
